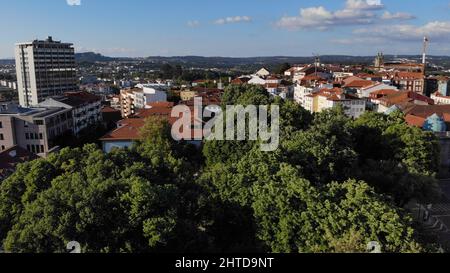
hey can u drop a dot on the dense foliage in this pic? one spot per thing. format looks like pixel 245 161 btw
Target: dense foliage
pixel 333 185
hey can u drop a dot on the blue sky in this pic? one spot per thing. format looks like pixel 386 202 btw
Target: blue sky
pixel 229 27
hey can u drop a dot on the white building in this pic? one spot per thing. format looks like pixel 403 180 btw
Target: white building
pixel 440 99
pixel 86 109
pixel 263 72
pixel 302 91
pixel 364 92
pixel 150 93
pixel 44 69
pixel 256 80
pixel 330 98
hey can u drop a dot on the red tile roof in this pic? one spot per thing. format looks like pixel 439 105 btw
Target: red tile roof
pixel 415 120
pixel 10 157
pixel 84 96
pixel 404 97
pixel 359 84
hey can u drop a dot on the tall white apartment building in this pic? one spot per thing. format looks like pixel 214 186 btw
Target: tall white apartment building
pixel 44 69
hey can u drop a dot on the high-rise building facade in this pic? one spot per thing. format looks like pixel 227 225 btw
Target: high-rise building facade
pixel 44 69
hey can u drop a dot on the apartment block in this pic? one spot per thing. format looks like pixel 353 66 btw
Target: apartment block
pixel 44 69
pixel 33 129
pixel 86 109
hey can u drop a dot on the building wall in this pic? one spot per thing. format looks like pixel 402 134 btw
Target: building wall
pixel 108 146
pixel 44 68
pixel 86 115
pixel 7 131
pixel 35 133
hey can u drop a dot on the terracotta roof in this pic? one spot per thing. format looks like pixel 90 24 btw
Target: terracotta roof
pixel 10 157
pixel 409 75
pixel 384 92
pixel 415 120
pixel 108 109
pixel 313 77
pixel 426 111
pixel 128 130
pixel 84 96
pixel 272 85
pixel 240 80
pixel 403 97
pixel 359 84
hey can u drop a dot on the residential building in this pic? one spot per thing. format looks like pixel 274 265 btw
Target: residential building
pixel 440 99
pixel 263 72
pixel 330 98
pixel 241 80
pixel 366 91
pixel 311 69
pixel 402 100
pixel 127 131
pixel 44 69
pixel 150 93
pixel 187 95
pixel 86 109
pixel 33 129
pixel 410 81
pixel 256 80
pixel 127 101
pixel 443 85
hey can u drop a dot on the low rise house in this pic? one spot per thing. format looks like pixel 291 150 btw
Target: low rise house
pixel 128 130
pixel 366 91
pixel 401 100
pixel 440 99
pixel 263 72
pixel 330 98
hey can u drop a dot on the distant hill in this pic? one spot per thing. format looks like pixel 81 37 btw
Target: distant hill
pixel 91 57
pixel 7 62
pixel 245 62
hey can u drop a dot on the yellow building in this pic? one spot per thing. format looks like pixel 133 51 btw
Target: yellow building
pixel 187 95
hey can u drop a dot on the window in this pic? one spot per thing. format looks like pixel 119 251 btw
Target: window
pixel 27 136
pixel 41 136
pixel 1 124
pixel 33 148
pixel 1 137
pixel 3 147
pixel 42 148
pixel 36 136
pixel 31 136
pixel 28 148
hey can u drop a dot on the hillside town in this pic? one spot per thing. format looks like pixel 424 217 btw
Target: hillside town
pixel 51 102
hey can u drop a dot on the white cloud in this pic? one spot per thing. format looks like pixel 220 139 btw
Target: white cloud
pixel 364 5
pixel 355 12
pixel 233 20
pixel 73 2
pixel 437 31
pixel 397 16
pixel 193 23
